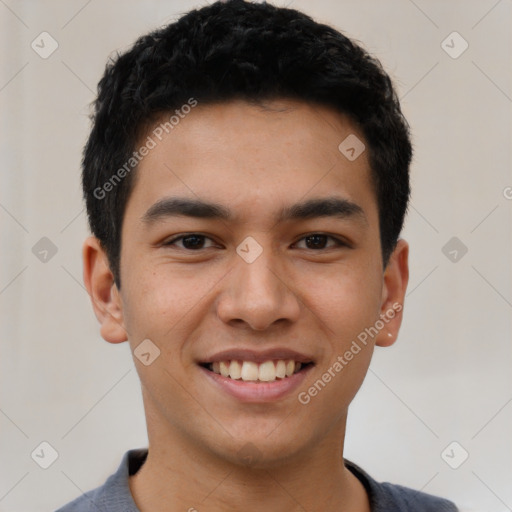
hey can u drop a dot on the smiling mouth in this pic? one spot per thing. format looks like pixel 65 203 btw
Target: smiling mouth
pixel 250 371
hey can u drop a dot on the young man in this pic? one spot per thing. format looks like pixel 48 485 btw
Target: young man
pixel 246 181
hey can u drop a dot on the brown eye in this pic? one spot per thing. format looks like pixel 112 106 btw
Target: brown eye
pixel 318 241
pixel 193 241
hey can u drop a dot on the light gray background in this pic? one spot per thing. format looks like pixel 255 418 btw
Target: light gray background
pixel 448 377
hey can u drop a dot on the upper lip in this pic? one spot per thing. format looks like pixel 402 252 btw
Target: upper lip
pixel 240 354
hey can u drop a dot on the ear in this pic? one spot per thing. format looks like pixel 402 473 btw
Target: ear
pixel 105 297
pixel 396 277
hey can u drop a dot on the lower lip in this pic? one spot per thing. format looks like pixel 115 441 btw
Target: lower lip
pixel 247 391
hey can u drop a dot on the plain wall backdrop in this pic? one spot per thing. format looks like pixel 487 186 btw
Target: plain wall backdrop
pixel 448 377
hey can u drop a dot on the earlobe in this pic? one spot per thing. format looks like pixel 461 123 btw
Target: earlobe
pixel 396 277
pixel 105 297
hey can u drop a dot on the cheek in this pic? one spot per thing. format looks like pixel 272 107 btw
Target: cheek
pixel 161 301
pixel 347 300
pixel 154 305
pixel 345 305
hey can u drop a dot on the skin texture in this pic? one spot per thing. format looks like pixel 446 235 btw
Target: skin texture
pixel 194 303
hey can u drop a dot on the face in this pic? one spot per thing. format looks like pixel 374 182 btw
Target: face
pixel 251 260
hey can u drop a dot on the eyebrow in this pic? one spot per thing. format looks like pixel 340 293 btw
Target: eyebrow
pixel 336 207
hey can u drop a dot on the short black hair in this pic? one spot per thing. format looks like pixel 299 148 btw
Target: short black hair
pixel 240 50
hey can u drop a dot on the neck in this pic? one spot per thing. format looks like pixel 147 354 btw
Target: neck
pixel 181 475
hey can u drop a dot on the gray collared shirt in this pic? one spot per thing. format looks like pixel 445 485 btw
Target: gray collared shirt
pixel 115 496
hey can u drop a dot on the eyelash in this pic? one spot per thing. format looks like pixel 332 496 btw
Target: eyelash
pixel 338 242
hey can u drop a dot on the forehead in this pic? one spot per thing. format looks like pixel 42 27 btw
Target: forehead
pixel 244 155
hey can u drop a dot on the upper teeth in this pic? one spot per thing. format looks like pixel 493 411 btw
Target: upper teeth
pixel 251 371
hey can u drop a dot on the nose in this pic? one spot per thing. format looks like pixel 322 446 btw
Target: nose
pixel 257 295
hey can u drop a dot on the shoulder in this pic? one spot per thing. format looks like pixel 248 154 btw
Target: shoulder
pixel 396 497
pixel 114 495
pixel 88 502
pixel 387 497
